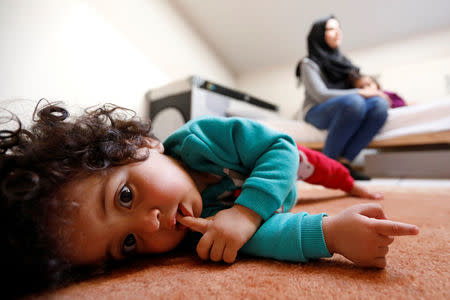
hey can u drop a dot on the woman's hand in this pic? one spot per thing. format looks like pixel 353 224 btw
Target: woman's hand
pixel 225 233
pixel 362 234
pixel 369 92
pixel 360 191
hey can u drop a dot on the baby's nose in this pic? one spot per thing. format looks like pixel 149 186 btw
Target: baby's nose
pixel 149 222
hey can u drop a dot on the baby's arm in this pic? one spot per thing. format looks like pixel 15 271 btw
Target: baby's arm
pixel 284 236
pixel 362 234
pixel 266 158
pixel 224 233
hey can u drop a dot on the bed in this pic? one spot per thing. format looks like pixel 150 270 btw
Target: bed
pixel 423 124
pixel 413 143
pixel 423 128
pixel 418 125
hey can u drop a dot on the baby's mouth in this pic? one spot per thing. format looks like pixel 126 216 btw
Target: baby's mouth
pixel 181 212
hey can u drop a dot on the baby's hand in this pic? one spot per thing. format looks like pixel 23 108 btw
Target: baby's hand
pixel 225 233
pixel 362 234
pixel 359 191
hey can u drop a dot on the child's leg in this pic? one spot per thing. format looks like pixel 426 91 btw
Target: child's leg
pixel 316 168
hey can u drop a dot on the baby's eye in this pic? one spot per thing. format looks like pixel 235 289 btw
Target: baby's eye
pixel 129 245
pixel 125 197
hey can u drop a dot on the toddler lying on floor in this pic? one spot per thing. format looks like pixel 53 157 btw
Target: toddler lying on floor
pixel 101 187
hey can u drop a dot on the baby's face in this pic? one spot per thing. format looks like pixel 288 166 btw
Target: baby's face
pixel 365 82
pixel 129 209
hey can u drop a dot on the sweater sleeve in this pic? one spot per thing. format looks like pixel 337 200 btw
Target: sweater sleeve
pixel 326 171
pixel 316 87
pixel 291 237
pixel 268 159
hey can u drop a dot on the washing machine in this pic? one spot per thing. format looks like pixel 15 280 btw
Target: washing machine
pixel 172 105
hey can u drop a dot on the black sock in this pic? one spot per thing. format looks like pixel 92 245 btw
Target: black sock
pixel 355 174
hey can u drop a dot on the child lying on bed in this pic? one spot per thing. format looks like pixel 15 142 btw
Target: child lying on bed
pixel 361 81
pixel 102 187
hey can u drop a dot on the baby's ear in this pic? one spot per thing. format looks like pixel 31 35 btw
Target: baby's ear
pixel 154 144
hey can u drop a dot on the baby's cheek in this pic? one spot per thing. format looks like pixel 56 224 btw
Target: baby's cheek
pixel 164 242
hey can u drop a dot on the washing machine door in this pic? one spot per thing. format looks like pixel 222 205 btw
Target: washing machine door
pixel 166 121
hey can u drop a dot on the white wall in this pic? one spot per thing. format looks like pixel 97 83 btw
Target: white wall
pixel 277 85
pixel 86 52
pixel 416 68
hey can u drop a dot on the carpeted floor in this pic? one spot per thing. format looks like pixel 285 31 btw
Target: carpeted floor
pixel 418 266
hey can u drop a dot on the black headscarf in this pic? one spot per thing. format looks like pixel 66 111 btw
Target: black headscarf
pixel 333 64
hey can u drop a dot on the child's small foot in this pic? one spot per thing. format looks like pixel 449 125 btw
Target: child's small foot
pixel 355 174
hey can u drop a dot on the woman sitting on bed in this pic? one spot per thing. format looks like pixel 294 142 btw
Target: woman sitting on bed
pixel 352 116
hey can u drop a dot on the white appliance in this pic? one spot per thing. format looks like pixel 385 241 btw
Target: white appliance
pixel 174 104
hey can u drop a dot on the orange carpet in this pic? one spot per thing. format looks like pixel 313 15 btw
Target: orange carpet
pixel 418 266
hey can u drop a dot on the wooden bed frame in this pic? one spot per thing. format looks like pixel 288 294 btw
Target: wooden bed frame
pixel 424 155
pixel 441 138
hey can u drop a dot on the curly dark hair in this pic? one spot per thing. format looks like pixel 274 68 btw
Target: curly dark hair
pixel 35 163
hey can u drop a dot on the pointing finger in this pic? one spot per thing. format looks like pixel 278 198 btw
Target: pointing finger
pixel 195 224
pixel 391 228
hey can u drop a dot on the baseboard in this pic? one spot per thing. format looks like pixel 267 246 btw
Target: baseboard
pixel 409 164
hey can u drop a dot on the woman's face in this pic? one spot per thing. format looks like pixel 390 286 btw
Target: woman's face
pixel 333 33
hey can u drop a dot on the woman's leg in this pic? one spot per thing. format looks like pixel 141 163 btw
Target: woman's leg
pixel 375 116
pixel 342 117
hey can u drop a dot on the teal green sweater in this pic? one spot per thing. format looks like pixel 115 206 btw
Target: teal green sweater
pixel 266 163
